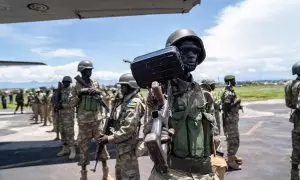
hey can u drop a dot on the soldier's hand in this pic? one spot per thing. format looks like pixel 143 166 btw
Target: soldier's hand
pixel 102 139
pixel 151 100
pixel 166 134
pixel 92 91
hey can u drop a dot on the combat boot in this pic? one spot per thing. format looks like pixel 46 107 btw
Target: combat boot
pixel 72 152
pixel 106 175
pixel 64 151
pixel 238 160
pixel 233 164
pixel 83 175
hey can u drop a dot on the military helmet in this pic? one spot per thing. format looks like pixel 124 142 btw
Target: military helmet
pixel 128 79
pixel 229 78
pixel 85 64
pixel 186 34
pixel 67 78
pixel 296 68
pixel 208 81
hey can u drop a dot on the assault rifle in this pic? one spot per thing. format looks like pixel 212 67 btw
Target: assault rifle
pixel 150 70
pixel 86 91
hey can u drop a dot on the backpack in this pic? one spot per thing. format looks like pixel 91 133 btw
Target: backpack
pixel 291 91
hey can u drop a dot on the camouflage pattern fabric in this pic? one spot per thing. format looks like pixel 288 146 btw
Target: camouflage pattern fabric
pixel 230 121
pixel 126 137
pixel 88 123
pixel 295 119
pixel 182 91
pixel 217 108
pixel 66 117
pixel 127 167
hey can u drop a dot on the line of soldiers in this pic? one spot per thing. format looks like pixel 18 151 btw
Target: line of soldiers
pixel 194 126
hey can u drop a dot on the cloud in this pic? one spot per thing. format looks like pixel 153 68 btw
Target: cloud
pixel 50 73
pixel 59 52
pixel 253 34
pixel 251 70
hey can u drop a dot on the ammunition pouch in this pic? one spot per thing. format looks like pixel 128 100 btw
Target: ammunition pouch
pixel 202 166
pixel 86 91
pixel 89 103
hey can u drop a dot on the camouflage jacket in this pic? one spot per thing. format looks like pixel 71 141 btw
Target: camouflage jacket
pixel 186 131
pixel 227 99
pixel 66 99
pixel 84 116
pixel 128 123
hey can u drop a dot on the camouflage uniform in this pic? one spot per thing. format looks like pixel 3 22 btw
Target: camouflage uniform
pixel 66 117
pixel 217 109
pixel 88 123
pixel 183 92
pixel 230 125
pixel 293 102
pixel 126 138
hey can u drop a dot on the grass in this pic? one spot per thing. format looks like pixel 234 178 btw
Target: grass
pixel 246 93
pixel 252 92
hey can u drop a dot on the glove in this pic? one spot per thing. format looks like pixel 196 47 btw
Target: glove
pixel 167 134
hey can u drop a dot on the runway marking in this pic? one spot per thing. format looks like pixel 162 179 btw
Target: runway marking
pixel 20 164
pixel 256 126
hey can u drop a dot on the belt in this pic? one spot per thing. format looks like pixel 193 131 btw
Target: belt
pixel 202 166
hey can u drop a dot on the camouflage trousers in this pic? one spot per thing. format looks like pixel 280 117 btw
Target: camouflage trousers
pixel 46 113
pixel 87 131
pixel 127 166
pixel 176 174
pixel 55 121
pixel 232 130
pixel 37 112
pixel 66 126
pixel 218 120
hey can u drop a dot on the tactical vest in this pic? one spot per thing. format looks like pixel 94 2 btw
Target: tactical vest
pixel 88 102
pixel 193 126
pixel 65 97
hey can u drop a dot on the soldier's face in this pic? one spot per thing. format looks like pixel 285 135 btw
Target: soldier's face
pixel 124 89
pixel 213 86
pixel 86 73
pixel 189 52
pixel 66 83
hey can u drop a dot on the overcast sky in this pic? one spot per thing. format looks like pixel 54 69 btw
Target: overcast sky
pixel 253 39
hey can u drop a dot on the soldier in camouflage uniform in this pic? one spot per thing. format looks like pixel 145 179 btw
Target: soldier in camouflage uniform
pixel 36 105
pixel 88 117
pixel 126 131
pixel 292 99
pixel 190 122
pixel 45 107
pixel 66 117
pixel 230 106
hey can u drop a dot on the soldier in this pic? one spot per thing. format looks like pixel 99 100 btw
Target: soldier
pixel 230 106
pixel 36 105
pixel 88 117
pixel 292 95
pixel 20 101
pixel 45 107
pixel 126 131
pixel 209 85
pixel 189 156
pixel 66 117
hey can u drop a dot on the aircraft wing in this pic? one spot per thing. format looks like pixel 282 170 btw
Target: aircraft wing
pixel 20 63
pixel 12 11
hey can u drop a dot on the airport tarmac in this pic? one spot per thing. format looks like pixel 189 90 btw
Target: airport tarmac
pixel 28 152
